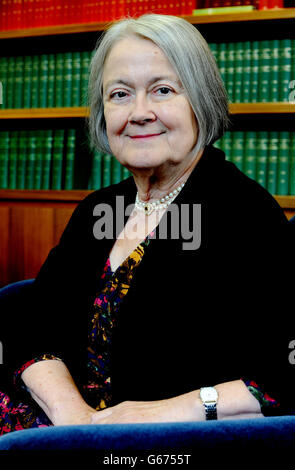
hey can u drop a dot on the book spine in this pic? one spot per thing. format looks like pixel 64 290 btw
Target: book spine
pixel 273 162
pixel 274 72
pixel 246 72
pixel 70 159
pixel 4 159
pixel 283 163
pixel 292 166
pixel 22 159
pixel 18 82
pixel 51 81
pixel 57 159
pixel 238 149
pixel 46 159
pixel 262 153
pixel 67 79
pixel 85 61
pixel 250 154
pixel 35 82
pixel 10 82
pixel 31 158
pixel 96 173
pixel 254 75
pixel 37 182
pixel 238 72
pixel 126 173
pixel 58 94
pixel 106 171
pixel 285 69
pixel 13 151
pixel 264 71
pixel 3 81
pixel 27 81
pixel 75 99
pixel 43 81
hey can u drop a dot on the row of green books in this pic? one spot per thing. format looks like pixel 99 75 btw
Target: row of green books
pixel 257 71
pixel 44 80
pixel 265 156
pixel 47 159
pixel 39 159
pixel 106 170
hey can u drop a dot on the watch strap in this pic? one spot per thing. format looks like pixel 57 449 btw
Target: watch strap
pixel 210 411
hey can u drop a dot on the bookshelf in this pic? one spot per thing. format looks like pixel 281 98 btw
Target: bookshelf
pixel 36 218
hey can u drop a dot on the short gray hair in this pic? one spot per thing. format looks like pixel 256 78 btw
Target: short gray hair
pixel 192 59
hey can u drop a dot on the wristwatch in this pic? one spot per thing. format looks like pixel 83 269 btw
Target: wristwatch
pixel 209 397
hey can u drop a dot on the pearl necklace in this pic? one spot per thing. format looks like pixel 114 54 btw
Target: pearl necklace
pixel 163 203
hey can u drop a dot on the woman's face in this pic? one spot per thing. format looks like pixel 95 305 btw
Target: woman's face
pixel 149 119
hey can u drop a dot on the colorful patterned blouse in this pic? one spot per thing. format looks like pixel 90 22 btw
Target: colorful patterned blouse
pixel 18 416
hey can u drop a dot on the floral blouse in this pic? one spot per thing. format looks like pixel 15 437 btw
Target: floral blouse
pixel 106 306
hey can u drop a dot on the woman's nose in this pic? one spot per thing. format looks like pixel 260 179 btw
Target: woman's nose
pixel 141 110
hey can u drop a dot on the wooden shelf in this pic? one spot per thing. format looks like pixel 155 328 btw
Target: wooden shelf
pixel 258 15
pixel 286 202
pixel 82 112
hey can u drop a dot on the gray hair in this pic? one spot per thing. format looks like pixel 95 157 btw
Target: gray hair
pixel 193 61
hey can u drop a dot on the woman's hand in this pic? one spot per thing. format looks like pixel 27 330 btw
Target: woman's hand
pixel 181 408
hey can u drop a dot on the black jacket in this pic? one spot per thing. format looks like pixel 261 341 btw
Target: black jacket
pixel 191 318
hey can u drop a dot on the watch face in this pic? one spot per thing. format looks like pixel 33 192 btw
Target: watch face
pixel 208 394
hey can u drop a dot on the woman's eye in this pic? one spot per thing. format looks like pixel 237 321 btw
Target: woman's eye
pixel 163 90
pixel 118 94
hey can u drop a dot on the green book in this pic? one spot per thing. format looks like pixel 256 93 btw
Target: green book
pixel 264 71
pixel 57 159
pixel 38 159
pixel 18 82
pixel 85 62
pixel 13 151
pixel 223 10
pixel 115 170
pixel 230 70
pixel 4 159
pixel 272 170
pixel 10 82
pixel 283 163
pixel 285 69
pixel 222 62
pixel 126 173
pixel 22 159
pixel 96 173
pixel 291 96
pixel 250 154
pixel 261 158
pixel 35 82
pixel 58 92
pixel 3 81
pixel 67 80
pixel 254 75
pixel 238 149
pixel 246 72
pixel 31 158
pixel 27 85
pixel 292 166
pixel 43 80
pixel 51 81
pixel 274 71
pixel 239 54
pixel 76 72
pixel 70 159
pixel 106 170
pixel 226 144
pixel 46 158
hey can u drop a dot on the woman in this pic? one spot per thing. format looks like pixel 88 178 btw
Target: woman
pixel 160 285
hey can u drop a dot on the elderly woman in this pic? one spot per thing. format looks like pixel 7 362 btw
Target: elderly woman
pixel 155 304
